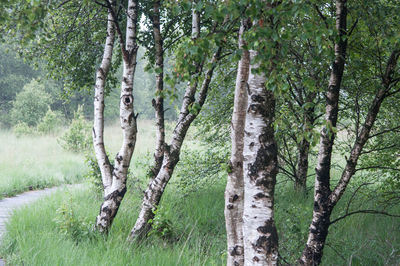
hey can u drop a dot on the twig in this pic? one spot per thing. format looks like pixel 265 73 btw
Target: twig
pixel 364 211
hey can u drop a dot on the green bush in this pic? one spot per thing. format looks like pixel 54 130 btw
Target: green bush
pixel 160 226
pixel 200 168
pixel 50 122
pixel 31 104
pixel 93 175
pixel 72 226
pixel 22 129
pixel 78 136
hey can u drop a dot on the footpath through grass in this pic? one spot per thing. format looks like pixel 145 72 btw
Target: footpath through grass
pixel 34 162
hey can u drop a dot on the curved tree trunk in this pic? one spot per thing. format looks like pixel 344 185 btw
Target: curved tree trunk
pixel 320 225
pixel 98 126
pixel 114 192
pixel 234 188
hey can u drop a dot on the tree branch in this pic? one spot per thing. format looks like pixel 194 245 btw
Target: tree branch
pixel 363 211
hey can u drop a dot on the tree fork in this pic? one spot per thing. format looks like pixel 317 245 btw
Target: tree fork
pixel 115 191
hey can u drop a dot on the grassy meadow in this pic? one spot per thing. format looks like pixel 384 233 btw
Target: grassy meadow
pixel 59 231
pixel 33 162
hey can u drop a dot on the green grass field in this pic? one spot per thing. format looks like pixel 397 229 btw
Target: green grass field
pixel 42 235
pixel 35 162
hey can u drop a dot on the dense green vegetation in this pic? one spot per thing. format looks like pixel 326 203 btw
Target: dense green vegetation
pixel 307 87
pixel 197 232
pixel 188 228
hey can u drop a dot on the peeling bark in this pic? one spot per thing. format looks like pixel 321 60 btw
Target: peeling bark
pixel 260 170
pixel 114 192
pixel 234 188
pixel 158 102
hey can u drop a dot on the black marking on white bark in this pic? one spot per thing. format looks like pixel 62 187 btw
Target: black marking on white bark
pixel 233 198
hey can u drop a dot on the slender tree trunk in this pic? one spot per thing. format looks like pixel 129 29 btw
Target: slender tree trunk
pixel 158 102
pixel 304 149
pixel 234 188
pixel 171 154
pixel 321 223
pixel 157 186
pixel 98 126
pixel 114 193
pixel 363 137
pixel 300 183
pixel 260 170
pixel 312 253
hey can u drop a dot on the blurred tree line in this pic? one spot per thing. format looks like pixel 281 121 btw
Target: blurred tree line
pixel 19 80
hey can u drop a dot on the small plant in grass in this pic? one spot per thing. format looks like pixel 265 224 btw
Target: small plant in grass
pixel 93 174
pixel 72 226
pixel 160 225
pixel 200 168
pixel 78 136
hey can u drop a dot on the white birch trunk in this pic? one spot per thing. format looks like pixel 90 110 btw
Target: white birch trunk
pixel 98 125
pixel 114 193
pixel 234 191
pixel 260 170
pixel 158 102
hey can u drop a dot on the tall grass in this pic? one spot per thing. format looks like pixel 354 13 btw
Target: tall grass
pixel 31 162
pixel 196 222
pixel 198 232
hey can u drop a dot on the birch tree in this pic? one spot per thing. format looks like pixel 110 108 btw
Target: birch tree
pixel 201 72
pixel 234 188
pixel 114 176
pixel 326 199
pixel 260 162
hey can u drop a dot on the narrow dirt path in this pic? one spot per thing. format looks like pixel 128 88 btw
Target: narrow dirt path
pixel 8 205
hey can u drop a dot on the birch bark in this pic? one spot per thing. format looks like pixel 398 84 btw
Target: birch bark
pixel 319 226
pixel 114 192
pixel 234 188
pixel 157 186
pixel 171 154
pixel 351 164
pixel 260 170
pixel 98 126
pixel 158 102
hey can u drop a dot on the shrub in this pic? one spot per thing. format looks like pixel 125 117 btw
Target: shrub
pixel 31 104
pixel 160 226
pixel 22 129
pixel 200 168
pixel 93 175
pixel 50 122
pixel 78 136
pixel 70 225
